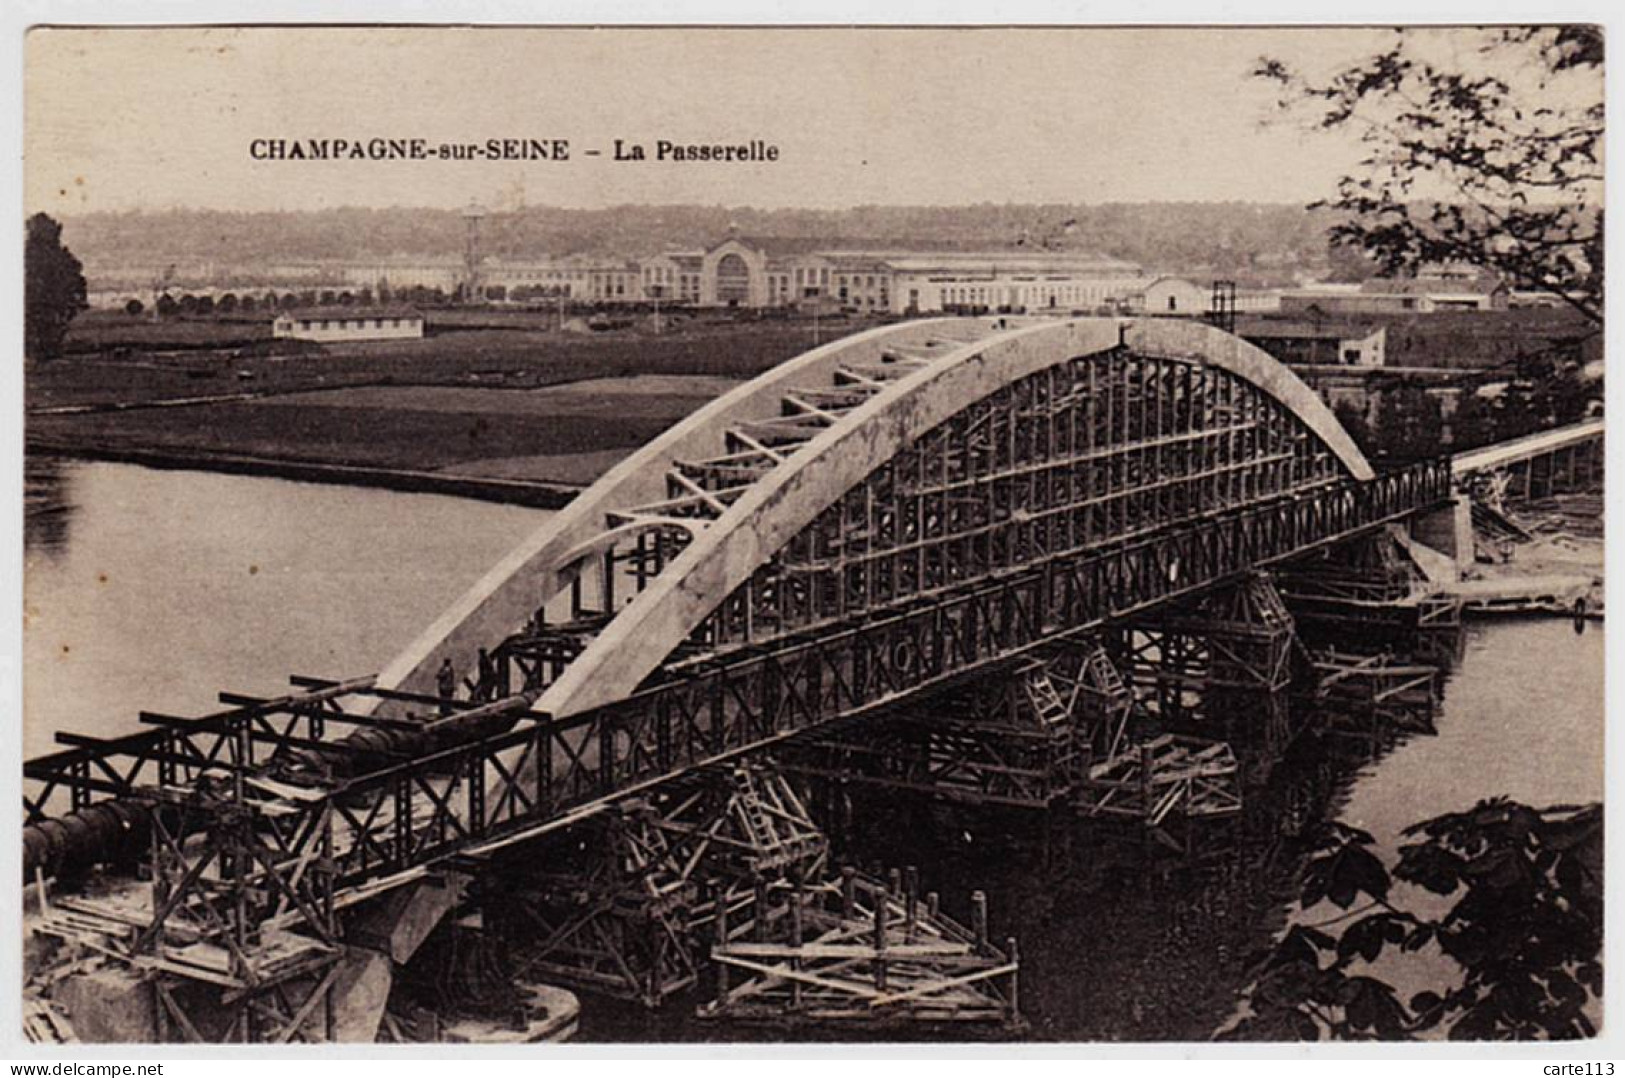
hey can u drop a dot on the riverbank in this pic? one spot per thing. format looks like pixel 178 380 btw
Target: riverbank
pixel 533 495
pixel 1558 569
pixel 455 355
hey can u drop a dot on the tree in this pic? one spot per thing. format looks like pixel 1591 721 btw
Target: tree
pixel 1348 263
pixel 1473 422
pixel 54 288
pixel 1409 422
pixel 1523 937
pixel 1353 418
pixel 1497 164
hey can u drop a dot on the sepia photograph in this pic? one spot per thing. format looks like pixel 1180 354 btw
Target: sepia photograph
pixel 999 535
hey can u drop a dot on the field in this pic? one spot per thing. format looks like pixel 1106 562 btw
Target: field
pixel 500 403
pixel 483 357
pixel 100 331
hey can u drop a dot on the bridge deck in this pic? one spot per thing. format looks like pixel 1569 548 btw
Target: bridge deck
pixel 1521 449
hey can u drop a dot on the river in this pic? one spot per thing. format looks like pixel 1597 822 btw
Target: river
pixel 156 589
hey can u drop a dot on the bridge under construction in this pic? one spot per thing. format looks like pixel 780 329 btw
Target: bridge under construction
pixel 1031 564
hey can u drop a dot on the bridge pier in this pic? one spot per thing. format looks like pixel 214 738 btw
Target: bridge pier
pixel 1371 595
pixel 295 993
pixel 1450 532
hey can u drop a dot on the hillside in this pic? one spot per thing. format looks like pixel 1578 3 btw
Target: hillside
pixel 1255 243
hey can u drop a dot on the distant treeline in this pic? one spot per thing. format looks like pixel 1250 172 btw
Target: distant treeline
pixel 1252 242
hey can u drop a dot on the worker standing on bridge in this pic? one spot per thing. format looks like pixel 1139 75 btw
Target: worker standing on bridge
pixel 446 681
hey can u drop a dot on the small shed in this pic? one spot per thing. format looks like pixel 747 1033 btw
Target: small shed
pixel 1177 297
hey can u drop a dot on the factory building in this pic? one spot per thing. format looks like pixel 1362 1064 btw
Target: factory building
pixel 785 273
pixel 1327 344
pixel 1411 295
pixel 756 273
pixel 672 277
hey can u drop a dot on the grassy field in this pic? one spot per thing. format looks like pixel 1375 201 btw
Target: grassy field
pixel 486 402
pixel 101 331
pixel 479 357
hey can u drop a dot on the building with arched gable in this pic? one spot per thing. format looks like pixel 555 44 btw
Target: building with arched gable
pixel 758 273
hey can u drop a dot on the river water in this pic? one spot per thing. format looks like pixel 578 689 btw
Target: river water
pixel 156 589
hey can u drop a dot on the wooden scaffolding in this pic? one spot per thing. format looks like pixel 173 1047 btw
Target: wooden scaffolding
pixel 1009 739
pixel 1149 783
pixel 234 932
pixel 1163 785
pixel 1368 594
pixel 1375 698
pixel 620 915
pixel 1220 668
pixel 859 953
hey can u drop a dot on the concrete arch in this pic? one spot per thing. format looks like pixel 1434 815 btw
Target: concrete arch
pixel 1183 339
pixel 512 589
pixel 788 498
pixel 794 493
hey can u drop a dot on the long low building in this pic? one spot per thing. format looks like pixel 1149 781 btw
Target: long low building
pixel 750 273
pixel 767 273
pixel 348 324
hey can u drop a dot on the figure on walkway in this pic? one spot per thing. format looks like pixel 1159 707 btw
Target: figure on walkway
pixel 446 681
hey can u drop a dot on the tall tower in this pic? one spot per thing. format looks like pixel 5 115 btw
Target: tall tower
pixel 472 215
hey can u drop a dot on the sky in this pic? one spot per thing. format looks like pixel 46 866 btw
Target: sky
pixel 119 119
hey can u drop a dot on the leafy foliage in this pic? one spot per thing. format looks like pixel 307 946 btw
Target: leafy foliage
pixel 1524 933
pixel 1494 160
pixel 1409 423
pixel 54 284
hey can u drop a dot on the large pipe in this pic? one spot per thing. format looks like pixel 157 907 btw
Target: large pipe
pixel 112 831
pixel 120 829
